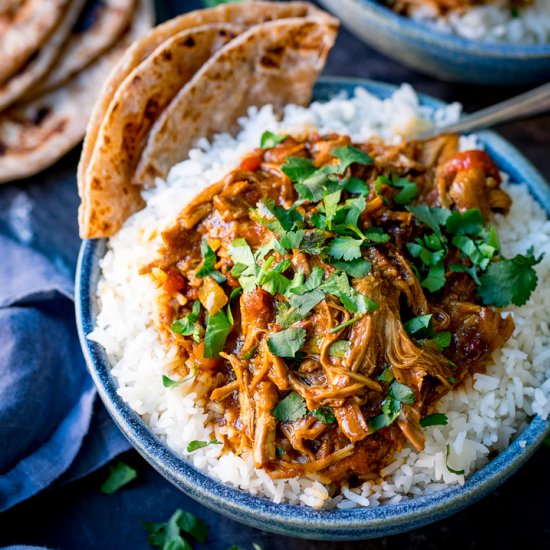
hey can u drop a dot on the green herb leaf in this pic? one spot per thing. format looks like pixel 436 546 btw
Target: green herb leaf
pixel 347 155
pixel 345 324
pixel 432 217
pixel 402 393
pixel 312 282
pixel 286 342
pixel 391 408
pixel 186 325
pixel 244 267
pixel 386 375
pixel 340 348
pixel 196 444
pixel 457 472
pixel 354 268
pixel 435 279
pixel 418 324
pixel 291 408
pixel 409 189
pixel 345 248
pixel 292 239
pixel 313 241
pixel 167 536
pixel 435 419
pixel 169 383
pixel 207 268
pixel 217 330
pixel 314 187
pixel 441 340
pixel 469 223
pixel 509 281
pixel 324 415
pixel 120 474
pixel 269 139
pixel 287 315
pixel 302 304
pixel 298 169
pixel 355 186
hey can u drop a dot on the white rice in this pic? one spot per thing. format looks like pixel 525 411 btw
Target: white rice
pixel 483 416
pixel 494 22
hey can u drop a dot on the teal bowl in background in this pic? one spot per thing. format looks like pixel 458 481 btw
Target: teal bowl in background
pixel 440 54
pixel 285 519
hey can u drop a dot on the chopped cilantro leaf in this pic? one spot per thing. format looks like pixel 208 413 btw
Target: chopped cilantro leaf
pixel 187 326
pixel 402 393
pixel 298 169
pixel 287 315
pixel 302 304
pixel 291 408
pixel 312 282
pixel 441 340
pixel 244 267
pixel 313 241
pixel 408 189
pixel 432 217
pixel 168 535
pixel 509 281
pixel 469 223
pixel 207 268
pixel 292 239
pixel 340 348
pixel 169 383
pixel 386 375
pixel 447 453
pixel 217 330
pixel 269 139
pixel 324 415
pixel 312 188
pixel 435 279
pixel 120 474
pixel 354 268
pixel 391 408
pixel 330 203
pixel 286 342
pixel 435 419
pixel 418 324
pixel 376 235
pixel 195 444
pixel 345 248
pixel 355 186
pixel 472 271
pixel 347 155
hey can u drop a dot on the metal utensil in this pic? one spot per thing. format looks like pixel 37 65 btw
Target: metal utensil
pixel 533 102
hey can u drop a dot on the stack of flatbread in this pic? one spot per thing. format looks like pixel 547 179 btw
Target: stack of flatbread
pixel 189 78
pixel 55 56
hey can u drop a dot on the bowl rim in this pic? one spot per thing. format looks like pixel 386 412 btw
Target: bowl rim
pixel 422 32
pixel 261 512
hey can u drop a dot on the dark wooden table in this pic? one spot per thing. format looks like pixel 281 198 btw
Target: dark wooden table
pixel 78 517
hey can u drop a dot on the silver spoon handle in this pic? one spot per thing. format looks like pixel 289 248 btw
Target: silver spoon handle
pixel 533 102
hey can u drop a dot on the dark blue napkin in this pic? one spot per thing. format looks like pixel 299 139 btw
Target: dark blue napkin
pixel 51 429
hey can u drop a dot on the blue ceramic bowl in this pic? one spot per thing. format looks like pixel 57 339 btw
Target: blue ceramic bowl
pixel 440 54
pixel 296 520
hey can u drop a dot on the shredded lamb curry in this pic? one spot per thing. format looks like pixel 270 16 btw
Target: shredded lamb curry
pixel 325 295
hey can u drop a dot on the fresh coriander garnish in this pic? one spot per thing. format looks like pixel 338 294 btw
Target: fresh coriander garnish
pixel 408 189
pixel 187 326
pixel 340 348
pixel 196 444
pixel 286 342
pixel 509 281
pixel 207 268
pixel 269 139
pixel 169 383
pixel 172 534
pixel 402 393
pixel 217 330
pixel 348 155
pixel 291 408
pixel 324 415
pixel 421 328
pixel 447 453
pixel 435 419
pixel 120 474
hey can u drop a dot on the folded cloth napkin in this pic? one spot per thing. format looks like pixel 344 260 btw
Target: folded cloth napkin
pixel 51 430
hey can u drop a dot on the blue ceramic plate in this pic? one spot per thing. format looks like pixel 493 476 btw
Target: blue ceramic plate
pixel 441 54
pixel 282 518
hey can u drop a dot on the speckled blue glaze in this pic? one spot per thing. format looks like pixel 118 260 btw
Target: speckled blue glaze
pixel 441 54
pixel 295 520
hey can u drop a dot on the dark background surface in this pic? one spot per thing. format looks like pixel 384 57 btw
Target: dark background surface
pixel 77 517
